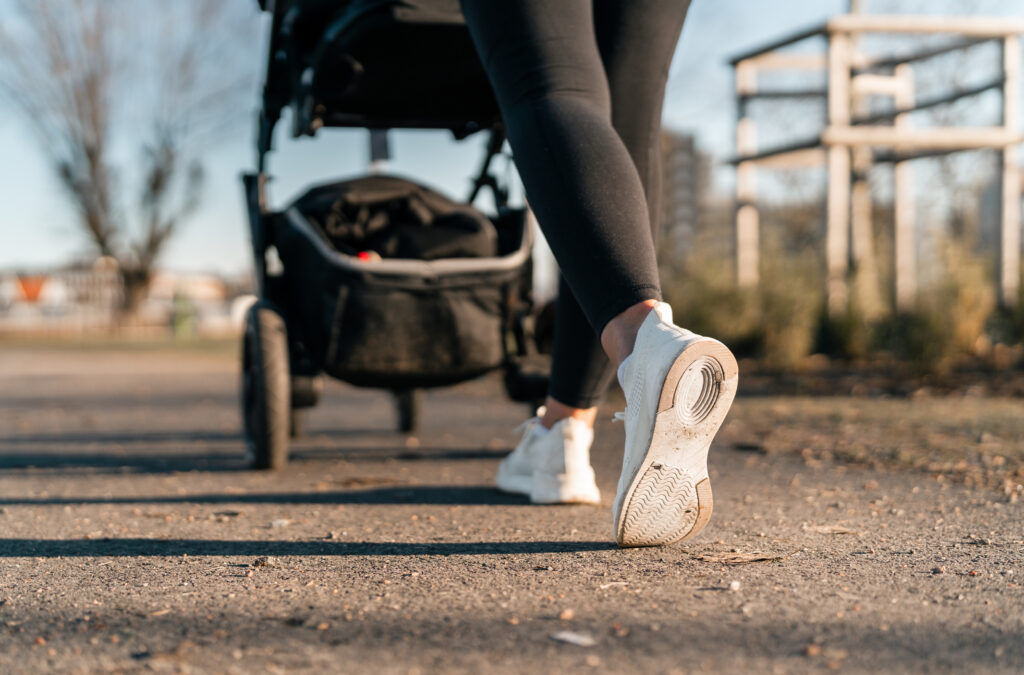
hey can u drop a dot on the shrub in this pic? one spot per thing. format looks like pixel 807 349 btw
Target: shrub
pixel 790 298
pixel 920 338
pixel 951 316
pixel 967 293
pixel 706 299
pixel 777 320
pixel 783 320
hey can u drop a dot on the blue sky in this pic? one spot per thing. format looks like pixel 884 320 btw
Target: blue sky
pixel 37 227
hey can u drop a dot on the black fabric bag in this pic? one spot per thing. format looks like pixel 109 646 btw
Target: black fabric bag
pixel 437 313
pixel 396 218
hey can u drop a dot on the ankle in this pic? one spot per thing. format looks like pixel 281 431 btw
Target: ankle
pixel 619 336
pixel 556 411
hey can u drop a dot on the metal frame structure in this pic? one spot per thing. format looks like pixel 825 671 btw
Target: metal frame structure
pixel 853 140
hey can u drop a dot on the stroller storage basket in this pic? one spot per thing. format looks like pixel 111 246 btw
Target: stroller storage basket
pixel 394 322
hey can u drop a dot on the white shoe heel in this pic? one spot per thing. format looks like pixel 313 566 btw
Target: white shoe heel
pixel 551 466
pixel 578 487
pixel 664 493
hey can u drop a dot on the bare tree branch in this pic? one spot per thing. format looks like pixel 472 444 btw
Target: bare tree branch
pixel 89 76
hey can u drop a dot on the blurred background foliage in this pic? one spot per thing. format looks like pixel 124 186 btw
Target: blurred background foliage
pixel 783 323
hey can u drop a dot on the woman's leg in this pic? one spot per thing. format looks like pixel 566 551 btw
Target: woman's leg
pixel 636 40
pixel 544 64
pixel 580 370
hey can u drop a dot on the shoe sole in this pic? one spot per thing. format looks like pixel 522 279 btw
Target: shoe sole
pixel 557 489
pixel 551 492
pixel 669 498
pixel 513 483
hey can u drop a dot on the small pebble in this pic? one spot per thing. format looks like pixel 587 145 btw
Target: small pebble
pixel 578 639
pixel 734 586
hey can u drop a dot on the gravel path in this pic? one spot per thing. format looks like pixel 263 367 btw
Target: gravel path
pixel 132 539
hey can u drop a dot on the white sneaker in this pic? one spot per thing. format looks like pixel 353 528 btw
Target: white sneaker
pixel 678 386
pixel 551 466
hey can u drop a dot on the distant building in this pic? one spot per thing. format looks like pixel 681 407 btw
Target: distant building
pixel 95 285
pixel 198 287
pixel 9 290
pixel 85 297
pixel 46 291
pixel 686 174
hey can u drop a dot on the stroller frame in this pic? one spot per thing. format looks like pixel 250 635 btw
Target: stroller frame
pixel 282 374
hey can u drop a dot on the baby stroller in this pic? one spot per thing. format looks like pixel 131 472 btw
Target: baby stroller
pixel 378 281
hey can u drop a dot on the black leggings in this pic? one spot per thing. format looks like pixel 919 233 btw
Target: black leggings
pixel 580 84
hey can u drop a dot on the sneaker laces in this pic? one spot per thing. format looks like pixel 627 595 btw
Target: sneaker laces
pixel 529 424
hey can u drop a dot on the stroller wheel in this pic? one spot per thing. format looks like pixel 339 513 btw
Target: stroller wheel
pixel 266 394
pixel 407 403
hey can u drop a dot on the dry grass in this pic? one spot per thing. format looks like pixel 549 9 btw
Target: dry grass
pixel 782 321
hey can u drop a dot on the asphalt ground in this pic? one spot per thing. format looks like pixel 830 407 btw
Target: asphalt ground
pixel 134 539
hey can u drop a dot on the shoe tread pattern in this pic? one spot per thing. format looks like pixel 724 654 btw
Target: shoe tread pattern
pixel 663 508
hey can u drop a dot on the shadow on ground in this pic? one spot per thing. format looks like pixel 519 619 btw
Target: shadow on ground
pixel 146 437
pixel 427 494
pixel 38 455
pixel 60 548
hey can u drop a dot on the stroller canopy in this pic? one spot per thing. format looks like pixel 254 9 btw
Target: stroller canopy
pixel 374 64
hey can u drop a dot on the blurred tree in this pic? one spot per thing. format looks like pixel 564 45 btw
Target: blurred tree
pixel 96 78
